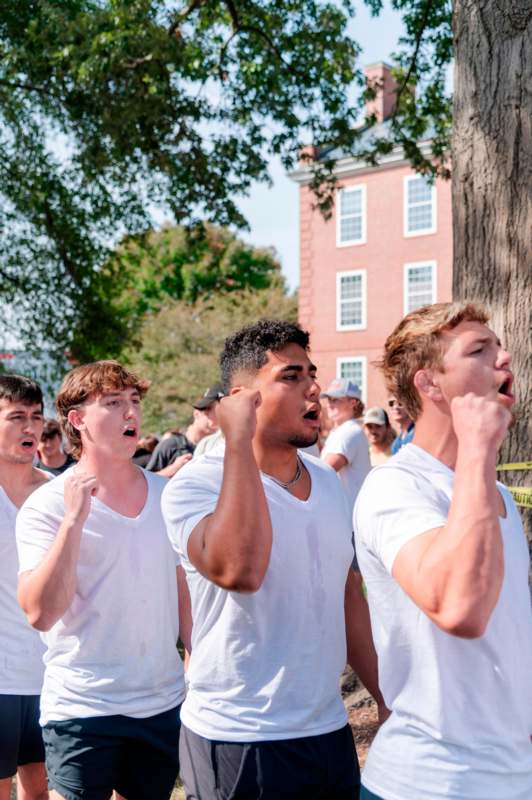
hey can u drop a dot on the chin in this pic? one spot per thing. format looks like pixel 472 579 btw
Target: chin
pixel 301 440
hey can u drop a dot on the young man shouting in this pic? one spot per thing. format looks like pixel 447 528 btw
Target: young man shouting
pixel 441 547
pixel 98 575
pixel 21 650
pixel 264 535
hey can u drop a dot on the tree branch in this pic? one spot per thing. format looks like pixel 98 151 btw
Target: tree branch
pixel 413 61
pixel 28 87
pixel 183 15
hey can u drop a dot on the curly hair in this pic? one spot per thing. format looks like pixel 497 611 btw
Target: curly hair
pixel 88 381
pixel 416 344
pixel 247 349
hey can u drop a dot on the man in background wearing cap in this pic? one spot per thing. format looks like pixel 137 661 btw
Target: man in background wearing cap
pixel 346 448
pixel 380 435
pixel 170 454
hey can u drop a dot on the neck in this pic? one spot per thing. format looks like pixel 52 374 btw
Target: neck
pixel 193 434
pixel 279 461
pixel 110 472
pixel 57 460
pixel 13 476
pixel 404 426
pixel 435 434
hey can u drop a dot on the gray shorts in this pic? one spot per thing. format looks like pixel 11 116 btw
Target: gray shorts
pixel 20 733
pixel 311 768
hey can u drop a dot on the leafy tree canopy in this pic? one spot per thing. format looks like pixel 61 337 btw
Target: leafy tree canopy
pixel 182 342
pixel 109 108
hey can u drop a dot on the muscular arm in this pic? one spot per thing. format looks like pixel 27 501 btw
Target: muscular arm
pixel 361 655
pixel 232 546
pixel 185 615
pixel 455 573
pixel 46 592
pixel 335 460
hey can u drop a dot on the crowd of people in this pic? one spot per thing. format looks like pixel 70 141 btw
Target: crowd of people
pixel 277 544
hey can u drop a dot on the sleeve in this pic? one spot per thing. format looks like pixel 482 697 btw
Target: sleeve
pixel 346 443
pixel 163 455
pixel 35 531
pixel 393 507
pixel 189 496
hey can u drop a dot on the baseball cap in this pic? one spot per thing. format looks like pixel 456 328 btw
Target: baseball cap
pixel 342 387
pixel 211 395
pixel 375 416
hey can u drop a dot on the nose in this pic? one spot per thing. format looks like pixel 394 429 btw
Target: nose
pixel 503 358
pixel 314 389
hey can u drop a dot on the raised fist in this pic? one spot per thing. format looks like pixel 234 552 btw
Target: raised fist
pixel 480 421
pixel 79 488
pixel 237 415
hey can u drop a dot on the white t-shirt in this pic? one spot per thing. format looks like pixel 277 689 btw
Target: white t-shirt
pixel 267 665
pixel 349 440
pixel 462 708
pixel 21 649
pixel 114 650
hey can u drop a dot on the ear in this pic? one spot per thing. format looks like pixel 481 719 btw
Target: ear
pixel 235 390
pixel 75 419
pixel 426 382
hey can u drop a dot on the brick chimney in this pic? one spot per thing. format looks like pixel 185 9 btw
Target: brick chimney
pixel 379 77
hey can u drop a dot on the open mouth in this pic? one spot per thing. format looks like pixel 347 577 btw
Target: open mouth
pixel 506 388
pixel 28 444
pixel 130 432
pixel 314 415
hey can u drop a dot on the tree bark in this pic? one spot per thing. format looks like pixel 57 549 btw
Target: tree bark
pixel 492 190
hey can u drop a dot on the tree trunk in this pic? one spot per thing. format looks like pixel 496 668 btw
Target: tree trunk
pixel 492 190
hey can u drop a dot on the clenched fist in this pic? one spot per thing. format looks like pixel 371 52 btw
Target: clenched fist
pixel 480 421
pixel 237 415
pixel 79 488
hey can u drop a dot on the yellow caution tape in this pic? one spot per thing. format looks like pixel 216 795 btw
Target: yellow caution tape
pixel 522 495
pixel 517 465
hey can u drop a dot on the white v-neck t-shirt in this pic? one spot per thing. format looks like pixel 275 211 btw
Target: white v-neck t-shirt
pixel 114 650
pixel 462 708
pixel 21 648
pixel 266 665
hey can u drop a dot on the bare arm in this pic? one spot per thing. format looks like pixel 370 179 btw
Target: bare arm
pixel 361 655
pixel 170 470
pixel 335 460
pixel 232 546
pixel 455 573
pixel 185 614
pixel 47 591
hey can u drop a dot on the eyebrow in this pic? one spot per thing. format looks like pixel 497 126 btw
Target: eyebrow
pixel 298 368
pixel 485 340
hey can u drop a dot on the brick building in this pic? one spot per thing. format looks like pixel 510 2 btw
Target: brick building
pixel 386 250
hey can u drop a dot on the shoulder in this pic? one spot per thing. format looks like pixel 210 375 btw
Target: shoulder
pixel 48 496
pixel 156 483
pixel 203 473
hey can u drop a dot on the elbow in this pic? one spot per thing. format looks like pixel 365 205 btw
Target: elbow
pixel 41 622
pixel 464 626
pixel 245 581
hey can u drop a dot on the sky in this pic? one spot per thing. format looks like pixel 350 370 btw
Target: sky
pixel 272 212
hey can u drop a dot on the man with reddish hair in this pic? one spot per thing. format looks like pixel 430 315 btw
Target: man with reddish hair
pixel 98 577
pixel 441 548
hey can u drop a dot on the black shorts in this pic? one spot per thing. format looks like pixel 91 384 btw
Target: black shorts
pixel 87 758
pixel 321 767
pixel 20 732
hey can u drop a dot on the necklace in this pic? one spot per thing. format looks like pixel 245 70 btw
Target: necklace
pixel 288 484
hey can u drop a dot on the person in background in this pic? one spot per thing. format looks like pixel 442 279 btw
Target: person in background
pixel 173 452
pixel 51 456
pixel 380 435
pixel 402 421
pixel 21 650
pixel 346 447
pixel 145 448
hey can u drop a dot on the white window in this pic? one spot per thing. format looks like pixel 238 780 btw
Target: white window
pixel 419 206
pixel 351 300
pixel 351 216
pixel 419 285
pixel 354 369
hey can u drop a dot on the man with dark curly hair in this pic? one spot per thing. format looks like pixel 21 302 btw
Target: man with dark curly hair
pixel 264 535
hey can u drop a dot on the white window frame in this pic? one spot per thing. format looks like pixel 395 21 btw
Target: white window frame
pixel 358 187
pixel 407 268
pixel 349 360
pixel 363 325
pixel 433 226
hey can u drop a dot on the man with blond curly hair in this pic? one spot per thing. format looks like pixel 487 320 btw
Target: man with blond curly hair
pixel 441 548
pixel 98 577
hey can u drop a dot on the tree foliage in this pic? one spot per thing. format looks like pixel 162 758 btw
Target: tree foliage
pixel 110 108
pixel 181 344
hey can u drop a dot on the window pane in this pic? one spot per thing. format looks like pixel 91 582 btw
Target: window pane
pixel 420 286
pixel 420 217
pixel 350 287
pixel 352 370
pixel 351 313
pixel 419 191
pixel 351 202
pixel 350 229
